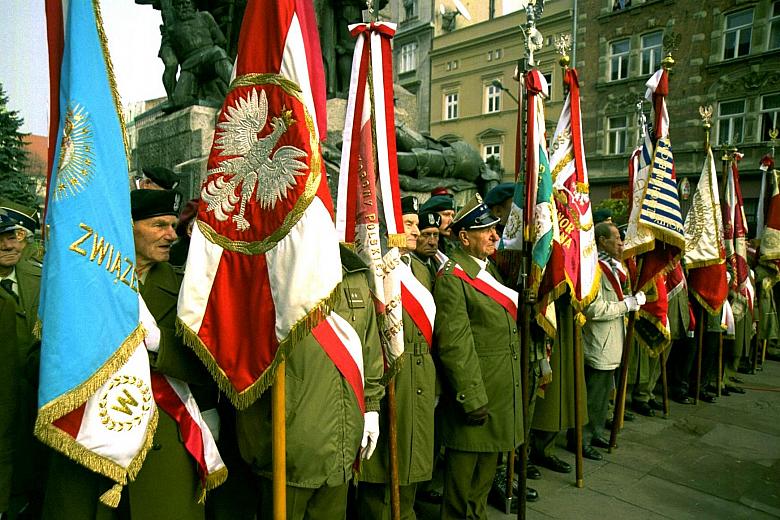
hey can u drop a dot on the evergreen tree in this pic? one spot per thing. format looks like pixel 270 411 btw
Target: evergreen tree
pixel 15 184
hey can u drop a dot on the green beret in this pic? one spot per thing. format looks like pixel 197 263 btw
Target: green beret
pixel 153 203
pixel 438 203
pixel 499 194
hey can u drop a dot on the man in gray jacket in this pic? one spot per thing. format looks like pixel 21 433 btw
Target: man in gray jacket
pixel 603 335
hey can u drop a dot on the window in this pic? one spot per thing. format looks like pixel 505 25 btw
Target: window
pixel 770 114
pixel 452 65
pixel 731 120
pixel 736 37
pixel 491 150
pixel 490 56
pixel 548 78
pixel 410 9
pixel 617 132
pixel 492 99
pixel 774 27
pixel 651 52
pixel 408 58
pixel 618 59
pixel 450 106
pixel 619 5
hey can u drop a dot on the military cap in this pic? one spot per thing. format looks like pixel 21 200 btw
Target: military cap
pixel 438 203
pixel 153 203
pixel 16 216
pixel 188 213
pixel 163 177
pixel 474 215
pixel 602 215
pixel 429 219
pixel 499 194
pixel 409 205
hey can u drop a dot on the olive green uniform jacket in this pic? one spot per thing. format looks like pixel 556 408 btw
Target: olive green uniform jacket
pixel 30 454
pixel 324 422
pixel 554 411
pixel 168 484
pixel 8 395
pixel 478 347
pixel 415 389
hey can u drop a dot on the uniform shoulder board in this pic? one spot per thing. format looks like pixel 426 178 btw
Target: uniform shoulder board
pixel 449 265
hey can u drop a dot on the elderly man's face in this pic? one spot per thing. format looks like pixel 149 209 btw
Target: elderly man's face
pixel 428 242
pixel 12 243
pixel 153 238
pixel 612 245
pixel 447 216
pixel 479 243
pixel 411 221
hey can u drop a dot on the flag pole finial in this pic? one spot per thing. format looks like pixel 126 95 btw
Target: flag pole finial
pixel 706 117
pixel 671 43
pixel 534 41
pixel 563 46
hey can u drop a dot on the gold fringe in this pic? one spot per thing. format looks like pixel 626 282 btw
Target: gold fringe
pixel 213 480
pixel 71 400
pixel 654 350
pixel 704 303
pixel 112 497
pixel 298 332
pixel 704 263
pixel 111 79
pixel 580 305
pixel 396 240
pixel 638 250
pixel 67 445
pixel 37 331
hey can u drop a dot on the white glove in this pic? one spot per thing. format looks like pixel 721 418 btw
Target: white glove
pixel 152 340
pixel 631 303
pixel 370 434
pixel 641 299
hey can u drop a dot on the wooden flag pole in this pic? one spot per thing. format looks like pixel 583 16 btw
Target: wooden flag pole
pixel 395 489
pixel 699 349
pixel 620 398
pixel 665 382
pixel 279 446
pixel 578 382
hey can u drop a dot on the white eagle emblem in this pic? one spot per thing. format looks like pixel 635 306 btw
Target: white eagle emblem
pixel 253 167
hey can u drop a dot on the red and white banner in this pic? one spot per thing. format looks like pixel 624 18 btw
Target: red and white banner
pixel 264 260
pixel 735 232
pixel 368 193
pixel 174 398
pixel 572 200
pixel 343 346
pixel 489 286
pixel 417 302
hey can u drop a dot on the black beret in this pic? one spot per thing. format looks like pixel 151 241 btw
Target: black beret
pixel 409 204
pixel 438 203
pixel 153 203
pixel 429 219
pixel 499 194
pixel 163 177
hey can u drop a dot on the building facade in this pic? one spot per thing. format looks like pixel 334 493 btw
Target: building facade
pixel 727 55
pixel 473 93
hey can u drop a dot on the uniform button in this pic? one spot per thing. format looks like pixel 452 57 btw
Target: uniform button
pixel 419 361
pixel 462 397
pixel 517 384
pixel 156 446
pixel 419 391
pixel 514 331
pixel 514 356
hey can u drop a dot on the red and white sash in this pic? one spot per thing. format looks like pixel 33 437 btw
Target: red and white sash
pixel 343 346
pixel 489 286
pixel 174 397
pixel 418 302
pixel 616 283
pixel 441 258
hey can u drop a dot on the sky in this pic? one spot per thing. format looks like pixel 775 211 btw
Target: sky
pixel 133 37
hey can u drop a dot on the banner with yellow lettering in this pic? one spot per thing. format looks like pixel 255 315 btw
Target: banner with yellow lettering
pixel 96 402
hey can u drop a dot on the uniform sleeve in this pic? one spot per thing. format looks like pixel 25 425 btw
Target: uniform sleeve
pixel 177 360
pixel 456 349
pixel 601 309
pixel 373 364
pixel 9 380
